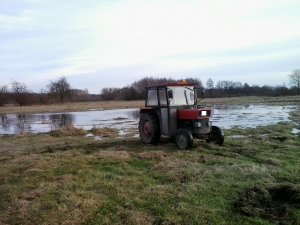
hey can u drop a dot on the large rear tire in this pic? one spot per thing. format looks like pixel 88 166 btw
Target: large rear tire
pixel 216 135
pixel 149 128
pixel 184 139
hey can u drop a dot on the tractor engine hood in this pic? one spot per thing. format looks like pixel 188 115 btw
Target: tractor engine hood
pixel 193 114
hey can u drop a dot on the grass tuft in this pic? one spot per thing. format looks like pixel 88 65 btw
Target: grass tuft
pixel 68 130
pixel 105 132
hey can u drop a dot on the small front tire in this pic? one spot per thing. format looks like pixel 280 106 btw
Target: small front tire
pixel 216 135
pixel 184 139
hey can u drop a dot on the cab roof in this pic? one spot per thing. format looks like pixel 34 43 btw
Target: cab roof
pixel 176 84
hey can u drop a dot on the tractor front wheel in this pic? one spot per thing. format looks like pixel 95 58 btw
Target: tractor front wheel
pixel 216 135
pixel 183 139
pixel 149 128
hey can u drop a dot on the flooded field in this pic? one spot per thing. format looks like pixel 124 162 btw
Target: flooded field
pixel 251 115
pixel 127 119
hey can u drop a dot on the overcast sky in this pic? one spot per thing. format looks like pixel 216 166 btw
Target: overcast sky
pixel 113 43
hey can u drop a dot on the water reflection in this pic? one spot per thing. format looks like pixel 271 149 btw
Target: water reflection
pixel 60 120
pixel 4 123
pixel 35 123
pixel 45 122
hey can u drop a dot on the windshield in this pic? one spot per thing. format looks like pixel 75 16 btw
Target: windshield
pixel 184 95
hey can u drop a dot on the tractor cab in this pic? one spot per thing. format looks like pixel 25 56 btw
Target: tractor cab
pixel 171 95
pixel 171 110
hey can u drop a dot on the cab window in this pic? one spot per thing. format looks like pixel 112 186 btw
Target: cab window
pixel 162 97
pixel 152 99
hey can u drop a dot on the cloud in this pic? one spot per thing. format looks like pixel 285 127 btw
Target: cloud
pixel 41 40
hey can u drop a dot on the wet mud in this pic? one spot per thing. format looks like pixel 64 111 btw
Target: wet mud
pixel 274 203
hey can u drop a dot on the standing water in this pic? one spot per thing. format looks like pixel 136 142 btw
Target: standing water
pixel 127 119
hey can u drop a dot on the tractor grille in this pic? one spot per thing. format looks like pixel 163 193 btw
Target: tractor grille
pixel 203 129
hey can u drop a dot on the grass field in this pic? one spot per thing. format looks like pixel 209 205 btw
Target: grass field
pixel 65 178
pixel 72 107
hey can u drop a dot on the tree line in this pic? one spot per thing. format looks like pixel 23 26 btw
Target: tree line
pixel 222 88
pixel 61 91
pixel 56 91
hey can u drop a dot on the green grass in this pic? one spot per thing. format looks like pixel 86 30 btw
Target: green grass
pixel 46 179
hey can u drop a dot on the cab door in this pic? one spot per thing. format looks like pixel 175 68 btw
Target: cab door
pixel 164 111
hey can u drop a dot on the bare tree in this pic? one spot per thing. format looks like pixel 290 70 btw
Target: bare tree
pixel 60 89
pixel 3 95
pixel 209 86
pixel 295 79
pixel 139 86
pixel 109 93
pixel 20 92
pixel 198 84
pixel 79 95
pixel 43 97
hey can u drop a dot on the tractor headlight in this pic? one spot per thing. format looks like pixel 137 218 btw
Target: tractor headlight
pixel 197 124
pixel 203 113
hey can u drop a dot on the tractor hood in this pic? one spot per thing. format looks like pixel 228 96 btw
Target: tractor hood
pixel 193 114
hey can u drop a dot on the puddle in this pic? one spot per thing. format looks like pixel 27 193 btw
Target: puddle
pixel 126 120
pixel 120 119
pixel 295 131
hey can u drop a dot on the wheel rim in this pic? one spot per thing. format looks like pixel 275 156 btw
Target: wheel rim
pixel 181 141
pixel 148 129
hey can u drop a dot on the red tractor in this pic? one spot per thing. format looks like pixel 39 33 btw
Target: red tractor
pixel 171 110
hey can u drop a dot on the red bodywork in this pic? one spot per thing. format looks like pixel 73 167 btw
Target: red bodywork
pixel 192 114
pixel 146 110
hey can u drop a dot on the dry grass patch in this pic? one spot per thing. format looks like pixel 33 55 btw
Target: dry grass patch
pixel 161 191
pixel 78 207
pixel 171 164
pixel 35 193
pixel 138 218
pixel 68 131
pixel 105 132
pixel 281 100
pixel 72 208
pixel 72 107
pixel 24 134
pixel 178 170
pixel 63 181
pixel 153 155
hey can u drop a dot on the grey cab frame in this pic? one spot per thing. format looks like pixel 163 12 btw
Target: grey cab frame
pixel 158 100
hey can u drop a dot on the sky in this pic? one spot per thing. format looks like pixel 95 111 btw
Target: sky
pixel 112 43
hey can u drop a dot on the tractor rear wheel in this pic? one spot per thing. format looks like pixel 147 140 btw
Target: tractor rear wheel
pixel 183 139
pixel 149 128
pixel 216 135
